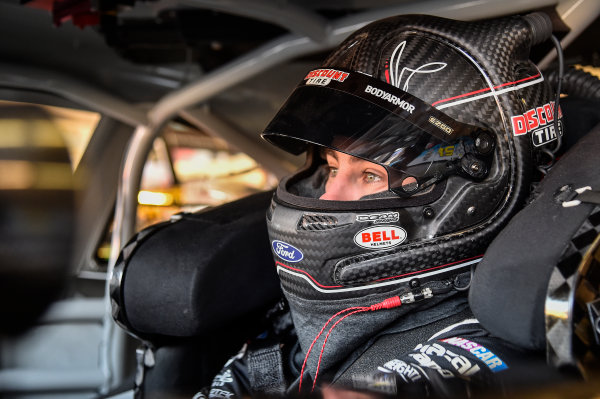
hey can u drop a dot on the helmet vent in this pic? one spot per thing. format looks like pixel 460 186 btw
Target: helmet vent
pixel 317 222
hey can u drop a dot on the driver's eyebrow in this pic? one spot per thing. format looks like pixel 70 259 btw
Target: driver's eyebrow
pixel 328 151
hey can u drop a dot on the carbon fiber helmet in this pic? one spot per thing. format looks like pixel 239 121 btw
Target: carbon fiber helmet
pixel 455 108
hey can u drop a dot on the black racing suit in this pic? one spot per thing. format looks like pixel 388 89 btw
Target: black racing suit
pixel 457 359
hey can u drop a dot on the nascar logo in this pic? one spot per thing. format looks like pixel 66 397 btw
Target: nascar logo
pixel 493 362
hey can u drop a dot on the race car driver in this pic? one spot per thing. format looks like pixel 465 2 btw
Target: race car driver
pixel 419 135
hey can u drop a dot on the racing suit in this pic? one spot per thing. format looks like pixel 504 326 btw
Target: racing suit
pixel 453 356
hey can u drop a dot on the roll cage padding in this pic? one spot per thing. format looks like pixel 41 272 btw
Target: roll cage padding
pixel 197 274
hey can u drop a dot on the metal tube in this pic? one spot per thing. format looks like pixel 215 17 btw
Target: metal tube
pixel 275 52
pixel 123 229
pixel 578 15
pixel 268 55
pixel 214 125
pixel 30 78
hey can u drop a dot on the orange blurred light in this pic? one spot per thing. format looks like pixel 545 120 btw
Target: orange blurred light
pixel 155 198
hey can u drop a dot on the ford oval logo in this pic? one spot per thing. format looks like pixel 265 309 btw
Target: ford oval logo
pixel 287 252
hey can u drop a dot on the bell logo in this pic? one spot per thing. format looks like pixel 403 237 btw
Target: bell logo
pixel 380 237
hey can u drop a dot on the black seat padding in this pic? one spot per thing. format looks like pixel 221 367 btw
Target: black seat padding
pixel 509 287
pixel 197 275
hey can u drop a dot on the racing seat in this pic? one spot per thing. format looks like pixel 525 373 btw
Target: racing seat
pixel 193 290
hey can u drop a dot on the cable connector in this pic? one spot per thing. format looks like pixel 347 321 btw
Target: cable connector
pixel 396 301
pixel 411 297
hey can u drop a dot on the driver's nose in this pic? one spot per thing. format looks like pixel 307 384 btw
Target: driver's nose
pixel 341 188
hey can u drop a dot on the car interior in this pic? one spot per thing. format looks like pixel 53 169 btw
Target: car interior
pixel 135 185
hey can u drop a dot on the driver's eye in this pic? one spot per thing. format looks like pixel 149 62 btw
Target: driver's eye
pixel 372 177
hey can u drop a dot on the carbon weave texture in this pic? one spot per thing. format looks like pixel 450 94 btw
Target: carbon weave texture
pixel 316 246
pixel 492 55
pixel 410 260
pixel 500 48
pixel 333 260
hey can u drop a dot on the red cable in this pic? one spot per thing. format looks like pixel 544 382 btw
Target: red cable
pixel 388 303
pixel 365 309
pixel 317 337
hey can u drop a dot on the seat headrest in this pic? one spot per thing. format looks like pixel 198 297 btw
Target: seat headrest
pixel 195 275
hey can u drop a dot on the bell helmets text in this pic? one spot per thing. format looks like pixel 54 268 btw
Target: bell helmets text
pixel 380 237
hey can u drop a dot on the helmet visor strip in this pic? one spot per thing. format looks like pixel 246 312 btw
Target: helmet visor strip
pixel 366 118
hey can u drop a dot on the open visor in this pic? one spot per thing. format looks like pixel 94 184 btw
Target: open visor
pixel 367 118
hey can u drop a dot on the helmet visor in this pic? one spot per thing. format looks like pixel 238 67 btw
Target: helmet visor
pixel 366 118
